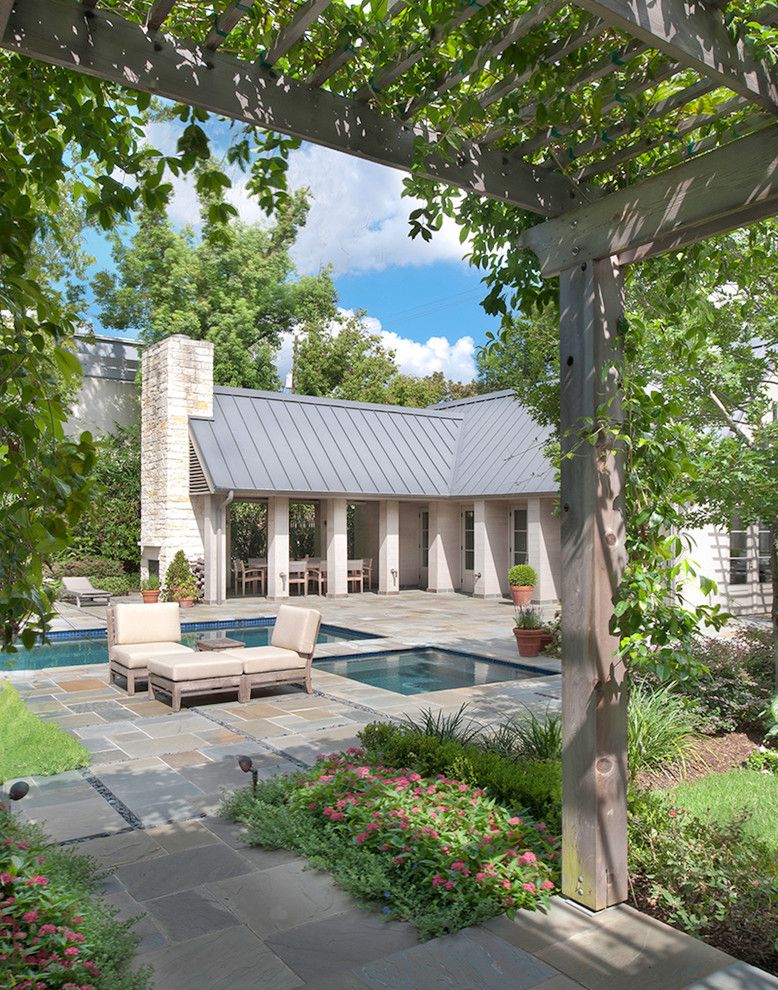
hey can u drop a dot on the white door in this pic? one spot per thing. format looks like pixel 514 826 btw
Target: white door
pixel 468 551
pixel 424 548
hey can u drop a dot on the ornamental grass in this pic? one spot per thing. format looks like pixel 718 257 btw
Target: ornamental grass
pixel 433 850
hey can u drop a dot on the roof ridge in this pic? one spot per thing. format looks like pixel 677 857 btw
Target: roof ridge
pixel 248 393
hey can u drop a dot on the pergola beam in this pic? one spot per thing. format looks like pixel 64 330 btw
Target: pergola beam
pixel 335 61
pixel 6 6
pixel 226 21
pixel 158 13
pixel 714 193
pixel 109 47
pixel 696 37
pixel 291 33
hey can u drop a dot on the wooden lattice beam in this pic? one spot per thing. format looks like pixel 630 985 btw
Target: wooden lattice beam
pixel 334 61
pixel 158 13
pixel 696 37
pixel 109 47
pixel 6 6
pixel 414 53
pixel 292 32
pixel 712 194
pixel 226 21
pixel 474 61
pixel 679 130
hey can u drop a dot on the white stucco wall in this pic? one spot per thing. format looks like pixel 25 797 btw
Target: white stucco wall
pixel 711 553
pixel 102 405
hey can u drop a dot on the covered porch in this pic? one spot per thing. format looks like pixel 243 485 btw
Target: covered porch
pixel 280 546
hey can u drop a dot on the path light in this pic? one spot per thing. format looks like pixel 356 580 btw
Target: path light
pixel 247 766
pixel 15 792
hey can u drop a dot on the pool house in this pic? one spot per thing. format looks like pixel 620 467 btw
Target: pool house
pixel 283 494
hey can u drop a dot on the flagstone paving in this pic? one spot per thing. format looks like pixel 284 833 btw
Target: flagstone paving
pixel 216 914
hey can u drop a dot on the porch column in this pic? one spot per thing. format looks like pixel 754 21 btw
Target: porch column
pixel 337 548
pixel 389 547
pixel 538 552
pixel 211 549
pixel 444 555
pixel 277 548
pixel 491 543
pixel 594 711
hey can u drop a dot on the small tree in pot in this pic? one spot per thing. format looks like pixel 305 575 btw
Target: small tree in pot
pixel 529 631
pixel 180 582
pixel 522 578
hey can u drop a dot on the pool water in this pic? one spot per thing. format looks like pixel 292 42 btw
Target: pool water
pixel 416 671
pixel 75 652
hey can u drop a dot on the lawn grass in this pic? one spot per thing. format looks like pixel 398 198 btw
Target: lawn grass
pixel 722 796
pixel 28 745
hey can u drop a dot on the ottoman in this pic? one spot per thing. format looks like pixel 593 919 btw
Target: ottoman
pixel 180 676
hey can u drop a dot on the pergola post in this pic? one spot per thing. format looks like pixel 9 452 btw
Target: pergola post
pixel 594 704
pixel 277 548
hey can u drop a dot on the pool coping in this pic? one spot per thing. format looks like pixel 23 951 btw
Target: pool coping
pixel 62 635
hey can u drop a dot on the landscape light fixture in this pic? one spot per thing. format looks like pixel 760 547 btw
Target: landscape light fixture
pixel 15 792
pixel 247 766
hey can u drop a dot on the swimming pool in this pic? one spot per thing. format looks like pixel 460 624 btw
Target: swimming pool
pixel 75 648
pixel 415 671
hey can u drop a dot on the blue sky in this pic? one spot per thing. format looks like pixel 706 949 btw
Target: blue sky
pixel 421 297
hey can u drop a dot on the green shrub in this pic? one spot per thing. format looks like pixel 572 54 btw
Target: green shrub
pixel 151 583
pixel 522 576
pixel 529 737
pixel 661 730
pixel 739 685
pixel 534 786
pixel 431 849
pixel 123 585
pixel 711 880
pixel 180 581
pixel 763 759
pixel 90 567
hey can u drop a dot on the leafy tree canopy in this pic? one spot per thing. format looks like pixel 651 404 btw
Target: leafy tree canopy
pixel 233 284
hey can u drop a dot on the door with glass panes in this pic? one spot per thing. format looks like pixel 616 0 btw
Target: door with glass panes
pixel 468 551
pixel 519 542
pixel 424 548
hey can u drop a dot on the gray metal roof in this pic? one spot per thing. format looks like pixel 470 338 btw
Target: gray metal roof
pixel 267 442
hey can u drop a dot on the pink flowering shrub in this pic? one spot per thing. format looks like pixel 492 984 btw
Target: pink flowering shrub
pixel 434 849
pixel 52 933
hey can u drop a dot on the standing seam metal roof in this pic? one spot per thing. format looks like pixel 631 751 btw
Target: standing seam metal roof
pixel 267 442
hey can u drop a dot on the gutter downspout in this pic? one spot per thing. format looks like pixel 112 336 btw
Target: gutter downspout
pixel 221 527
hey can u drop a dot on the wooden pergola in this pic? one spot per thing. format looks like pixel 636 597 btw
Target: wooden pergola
pixel 662 132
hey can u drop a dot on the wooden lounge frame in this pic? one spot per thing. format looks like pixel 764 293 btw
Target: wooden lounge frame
pixel 590 233
pixel 178 690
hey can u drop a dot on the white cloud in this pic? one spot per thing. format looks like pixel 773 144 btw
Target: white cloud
pixel 456 360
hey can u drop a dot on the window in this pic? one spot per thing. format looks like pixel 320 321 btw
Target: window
pixel 154 568
pixel 469 540
pixel 763 544
pixel 738 553
pixel 425 539
pixel 520 536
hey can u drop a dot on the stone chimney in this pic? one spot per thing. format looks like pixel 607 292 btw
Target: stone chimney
pixel 177 378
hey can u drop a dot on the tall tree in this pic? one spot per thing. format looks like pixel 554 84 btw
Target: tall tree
pixel 701 369
pixel 231 283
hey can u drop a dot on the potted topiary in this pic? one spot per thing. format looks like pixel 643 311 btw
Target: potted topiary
pixel 150 590
pixel 521 578
pixel 180 582
pixel 528 630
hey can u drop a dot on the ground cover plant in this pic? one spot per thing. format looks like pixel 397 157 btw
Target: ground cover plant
pixel 741 794
pixel 709 878
pixel 55 931
pixel 28 745
pixel 431 849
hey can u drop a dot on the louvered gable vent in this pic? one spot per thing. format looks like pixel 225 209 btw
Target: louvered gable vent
pixel 198 484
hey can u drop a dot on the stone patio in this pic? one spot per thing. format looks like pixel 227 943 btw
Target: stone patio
pixel 216 914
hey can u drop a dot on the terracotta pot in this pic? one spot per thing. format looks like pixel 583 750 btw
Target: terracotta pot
pixel 186 602
pixel 522 594
pixel 545 640
pixel 528 641
pixel 150 597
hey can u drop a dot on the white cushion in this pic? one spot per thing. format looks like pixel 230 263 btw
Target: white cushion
pixel 296 629
pixel 198 666
pixel 261 659
pixel 137 654
pixel 159 623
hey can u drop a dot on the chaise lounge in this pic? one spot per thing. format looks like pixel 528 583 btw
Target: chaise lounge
pixel 82 589
pixel 287 660
pixel 138 632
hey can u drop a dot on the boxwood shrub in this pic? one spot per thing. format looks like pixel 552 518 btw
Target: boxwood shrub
pixel 532 785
